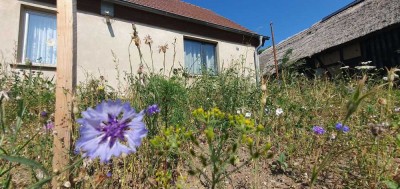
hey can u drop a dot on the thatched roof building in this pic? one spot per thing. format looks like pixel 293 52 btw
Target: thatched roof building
pixel 363 30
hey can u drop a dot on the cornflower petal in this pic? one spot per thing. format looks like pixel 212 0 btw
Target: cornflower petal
pixel 153 109
pixel 346 129
pixel 135 142
pixel 318 130
pixel 339 126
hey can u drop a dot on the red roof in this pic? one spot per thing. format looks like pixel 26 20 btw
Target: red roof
pixel 184 9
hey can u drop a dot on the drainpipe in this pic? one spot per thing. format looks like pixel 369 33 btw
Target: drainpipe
pixel 257 60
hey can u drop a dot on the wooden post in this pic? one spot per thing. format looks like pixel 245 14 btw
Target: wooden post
pixel 66 79
pixel 274 51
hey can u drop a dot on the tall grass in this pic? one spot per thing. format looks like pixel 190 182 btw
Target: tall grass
pixel 238 128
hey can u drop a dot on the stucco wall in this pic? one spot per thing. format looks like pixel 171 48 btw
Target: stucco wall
pixel 95 43
pixel 9 26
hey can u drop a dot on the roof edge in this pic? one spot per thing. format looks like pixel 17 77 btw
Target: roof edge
pixel 355 2
pixel 172 15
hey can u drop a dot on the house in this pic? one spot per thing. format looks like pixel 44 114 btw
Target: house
pixel 364 30
pixel 196 37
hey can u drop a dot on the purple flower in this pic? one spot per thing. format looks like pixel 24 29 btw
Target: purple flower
pixel 109 174
pixel 318 130
pixel 153 109
pixel 110 129
pixel 48 126
pixel 43 114
pixel 341 127
pixel 345 129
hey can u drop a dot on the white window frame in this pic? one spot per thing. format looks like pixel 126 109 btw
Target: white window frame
pixel 25 36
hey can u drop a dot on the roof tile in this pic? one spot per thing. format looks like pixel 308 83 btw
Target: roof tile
pixel 184 9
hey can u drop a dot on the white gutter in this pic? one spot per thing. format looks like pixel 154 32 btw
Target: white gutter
pixel 257 60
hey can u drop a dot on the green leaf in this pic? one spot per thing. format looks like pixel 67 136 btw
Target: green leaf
pixel 314 175
pixel 391 184
pixel 24 161
pixel 40 183
pixel 2 172
pixel 398 140
pixel 282 158
pixel 3 151
pixel 26 143
pixel 7 182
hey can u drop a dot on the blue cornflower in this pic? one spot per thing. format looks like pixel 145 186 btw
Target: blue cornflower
pixel 153 109
pixel 109 174
pixel 341 127
pixel 318 130
pixel 110 129
pixel 43 114
pixel 345 129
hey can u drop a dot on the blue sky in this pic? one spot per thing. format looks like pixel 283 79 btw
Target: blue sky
pixel 289 16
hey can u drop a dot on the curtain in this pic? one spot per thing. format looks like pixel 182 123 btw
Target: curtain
pixel 41 38
pixel 192 57
pixel 209 57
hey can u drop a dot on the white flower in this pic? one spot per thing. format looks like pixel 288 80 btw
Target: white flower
pixel 39 174
pixel 67 184
pixel 333 136
pixel 4 95
pixel 87 162
pixel 365 63
pixel 247 115
pixel 365 67
pixel 385 78
pixel 278 111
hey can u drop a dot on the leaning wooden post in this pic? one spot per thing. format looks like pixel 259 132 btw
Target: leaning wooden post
pixel 274 51
pixel 66 79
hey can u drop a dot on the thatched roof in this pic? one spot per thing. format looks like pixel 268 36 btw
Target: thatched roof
pixel 356 20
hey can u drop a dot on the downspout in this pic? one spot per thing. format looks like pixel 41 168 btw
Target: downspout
pixel 257 60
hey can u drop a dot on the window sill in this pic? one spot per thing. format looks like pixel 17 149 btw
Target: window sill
pixel 201 75
pixel 35 66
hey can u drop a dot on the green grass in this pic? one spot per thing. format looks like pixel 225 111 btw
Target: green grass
pixel 184 149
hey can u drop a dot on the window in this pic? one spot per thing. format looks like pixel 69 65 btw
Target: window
pixel 40 37
pixel 199 57
pixel 107 8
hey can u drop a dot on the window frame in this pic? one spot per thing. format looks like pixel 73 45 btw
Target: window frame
pixel 23 34
pixel 202 42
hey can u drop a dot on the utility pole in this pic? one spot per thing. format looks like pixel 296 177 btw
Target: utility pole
pixel 65 88
pixel 274 50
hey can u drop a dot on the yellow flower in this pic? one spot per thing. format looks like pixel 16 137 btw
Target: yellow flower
pixel 198 112
pixel 100 88
pixel 260 128
pixel 247 122
pixel 209 134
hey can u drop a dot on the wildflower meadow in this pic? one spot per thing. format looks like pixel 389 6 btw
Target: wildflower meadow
pixel 160 130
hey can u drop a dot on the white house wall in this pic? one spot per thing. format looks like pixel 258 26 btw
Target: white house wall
pixel 95 43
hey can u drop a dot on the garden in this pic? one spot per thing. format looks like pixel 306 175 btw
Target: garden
pixel 208 131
